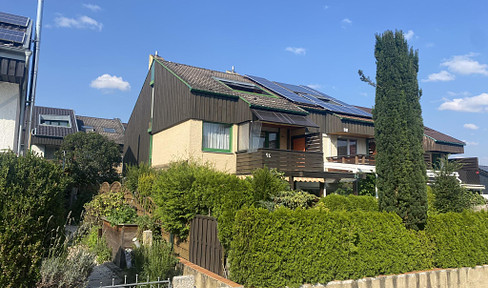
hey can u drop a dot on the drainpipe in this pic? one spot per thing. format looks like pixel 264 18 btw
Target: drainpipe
pixel 23 105
pixel 33 84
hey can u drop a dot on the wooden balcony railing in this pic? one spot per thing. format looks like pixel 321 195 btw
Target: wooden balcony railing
pixel 358 159
pixel 283 160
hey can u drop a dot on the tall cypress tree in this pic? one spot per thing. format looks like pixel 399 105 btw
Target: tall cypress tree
pixel 399 131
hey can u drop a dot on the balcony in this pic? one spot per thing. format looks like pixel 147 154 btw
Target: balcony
pixel 358 159
pixel 283 160
pixel 358 163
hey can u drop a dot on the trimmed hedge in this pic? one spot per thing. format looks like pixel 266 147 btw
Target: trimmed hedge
pixel 460 239
pixel 335 202
pixel 291 247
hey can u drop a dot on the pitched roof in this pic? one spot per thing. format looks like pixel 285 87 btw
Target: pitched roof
pixel 206 80
pixel 431 133
pixel 16 31
pixel 42 116
pixel 441 137
pixel 113 129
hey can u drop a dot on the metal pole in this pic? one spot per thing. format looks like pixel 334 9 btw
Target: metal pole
pixel 37 44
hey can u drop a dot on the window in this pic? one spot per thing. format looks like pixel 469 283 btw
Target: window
pixel 217 137
pixel 88 128
pixel 109 130
pixel 346 147
pixel 55 120
pixel 269 139
pixel 243 86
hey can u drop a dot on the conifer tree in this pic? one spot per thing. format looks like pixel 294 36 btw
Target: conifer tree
pixel 399 131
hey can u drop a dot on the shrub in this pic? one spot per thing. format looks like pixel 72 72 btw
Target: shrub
pixel 350 203
pixel 103 205
pixel 31 208
pixel 291 247
pixel 66 270
pixel 449 195
pixel 459 238
pixel 292 199
pixel 155 261
pixel 133 173
pixel 124 214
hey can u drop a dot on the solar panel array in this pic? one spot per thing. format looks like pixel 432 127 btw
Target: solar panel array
pixel 12 35
pixel 14 19
pixel 280 90
pixel 306 95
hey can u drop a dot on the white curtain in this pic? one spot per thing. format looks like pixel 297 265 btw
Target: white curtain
pixel 216 136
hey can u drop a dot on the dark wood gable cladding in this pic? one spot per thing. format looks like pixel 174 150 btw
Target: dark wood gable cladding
pixel 176 102
pixel 136 144
pixel 11 70
pixel 332 124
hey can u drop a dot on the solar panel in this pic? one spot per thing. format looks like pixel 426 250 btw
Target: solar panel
pixel 14 19
pixel 338 108
pixel 280 90
pixel 12 35
pixel 294 88
pixel 319 95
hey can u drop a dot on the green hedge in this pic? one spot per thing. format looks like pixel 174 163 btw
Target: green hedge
pixel 291 247
pixel 460 239
pixel 335 202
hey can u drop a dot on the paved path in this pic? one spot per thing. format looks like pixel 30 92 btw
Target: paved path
pixel 104 273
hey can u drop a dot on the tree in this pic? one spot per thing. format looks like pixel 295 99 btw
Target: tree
pixel 399 131
pixel 90 158
pixel 31 209
pixel 449 196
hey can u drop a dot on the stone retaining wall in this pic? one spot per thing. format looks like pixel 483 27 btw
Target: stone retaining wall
pixel 476 277
pixel 204 278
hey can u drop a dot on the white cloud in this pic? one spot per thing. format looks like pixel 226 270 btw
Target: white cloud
pixel 408 35
pixel 82 22
pixel 314 86
pixel 468 104
pixel 454 94
pixel 345 23
pixel 92 7
pixel 326 7
pixel 443 76
pixel 470 126
pixel 469 143
pixel 296 50
pixel 109 82
pixel 464 64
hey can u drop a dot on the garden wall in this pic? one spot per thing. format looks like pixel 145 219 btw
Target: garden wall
pixel 119 237
pixel 476 277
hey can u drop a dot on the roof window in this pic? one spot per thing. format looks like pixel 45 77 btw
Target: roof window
pixel 109 130
pixel 242 86
pixel 55 120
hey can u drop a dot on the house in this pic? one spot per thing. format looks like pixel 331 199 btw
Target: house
pixel 15 42
pixel 484 179
pixel 51 125
pixel 244 122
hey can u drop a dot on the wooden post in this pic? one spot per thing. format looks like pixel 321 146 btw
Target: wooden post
pixel 147 238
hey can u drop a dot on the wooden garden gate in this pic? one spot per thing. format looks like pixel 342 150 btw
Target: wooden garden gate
pixel 205 248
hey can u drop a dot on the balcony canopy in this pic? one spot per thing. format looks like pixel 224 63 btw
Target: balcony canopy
pixel 283 118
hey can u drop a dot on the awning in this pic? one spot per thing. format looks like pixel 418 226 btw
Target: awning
pixel 283 118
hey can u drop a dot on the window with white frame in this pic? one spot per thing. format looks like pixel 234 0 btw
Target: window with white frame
pixel 346 147
pixel 55 120
pixel 217 137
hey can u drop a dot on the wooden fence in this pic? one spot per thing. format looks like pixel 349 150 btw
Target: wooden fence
pixel 205 248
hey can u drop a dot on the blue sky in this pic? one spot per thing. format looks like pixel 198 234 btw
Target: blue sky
pixel 94 54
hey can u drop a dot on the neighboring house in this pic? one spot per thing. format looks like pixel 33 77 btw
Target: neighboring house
pixel 469 173
pixel 51 125
pixel 244 122
pixel 484 178
pixel 15 42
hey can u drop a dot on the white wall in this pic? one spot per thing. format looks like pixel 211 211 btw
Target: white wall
pixel 9 115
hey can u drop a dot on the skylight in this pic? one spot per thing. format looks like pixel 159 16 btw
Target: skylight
pixel 55 120
pixel 243 86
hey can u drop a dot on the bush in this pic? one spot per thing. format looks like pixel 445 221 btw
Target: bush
pixel 292 199
pixel 133 173
pixel 155 261
pixel 124 214
pixel 31 201
pixel 350 203
pixel 291 247
pixel 459 238
pixel 449 195
pixel 102 205
pixel 66 270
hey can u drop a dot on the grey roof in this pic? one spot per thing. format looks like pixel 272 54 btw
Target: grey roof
pixel 24 29
pixel 99 125
pixel 205 80
pixel 42 130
